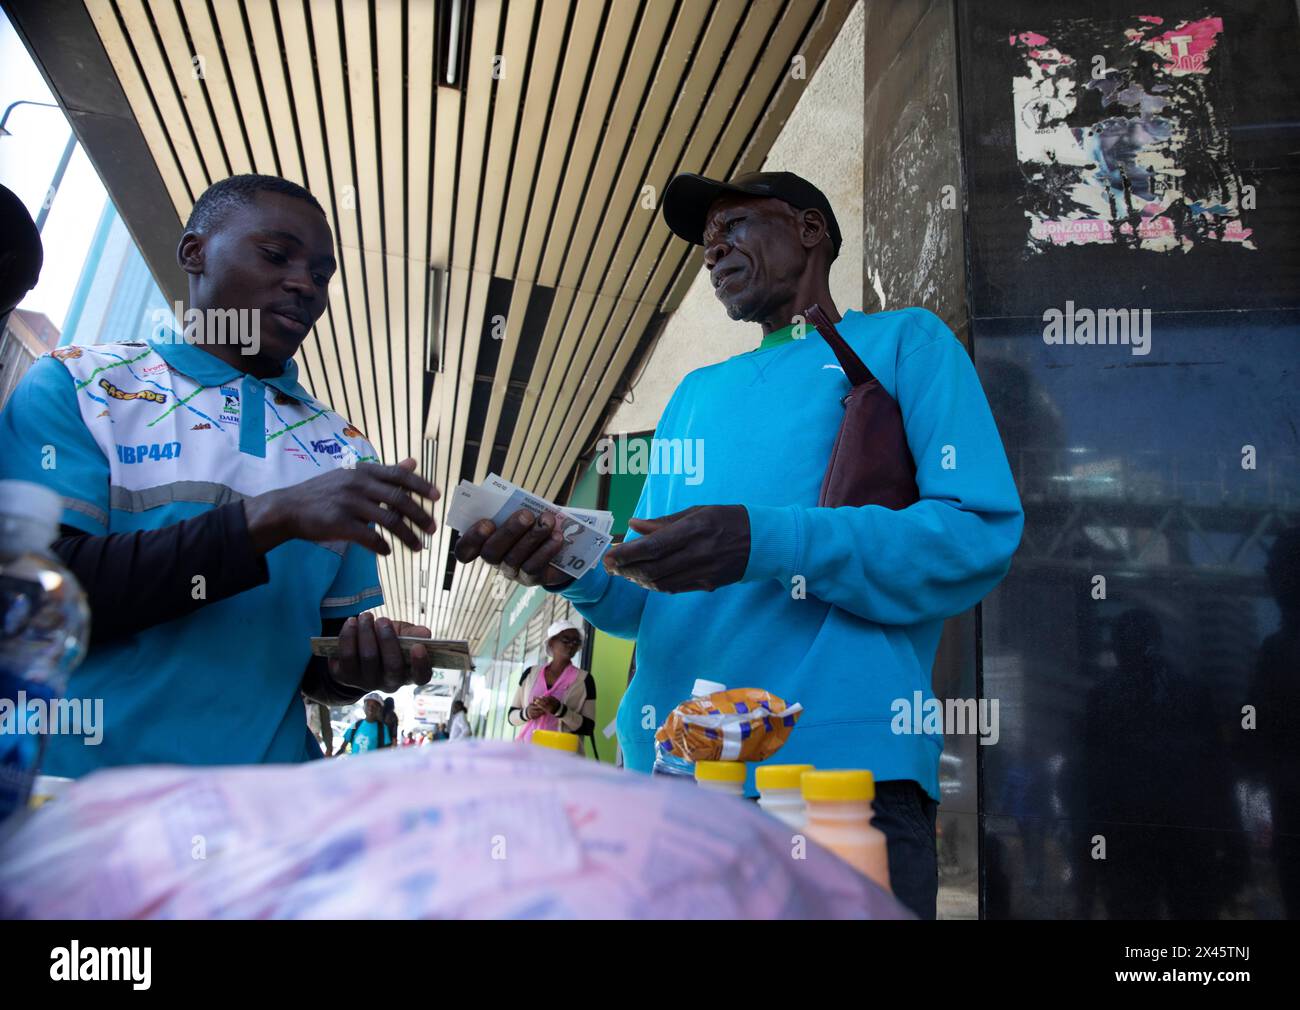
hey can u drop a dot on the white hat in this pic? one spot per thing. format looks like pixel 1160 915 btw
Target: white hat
pixel 560 627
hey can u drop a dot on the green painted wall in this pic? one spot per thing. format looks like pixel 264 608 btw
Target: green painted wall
pixel 586 493
pixel 609 665
pixel 625 491
pixel 611 656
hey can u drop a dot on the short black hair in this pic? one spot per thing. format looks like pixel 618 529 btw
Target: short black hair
pixel 235 191
pixel 21 252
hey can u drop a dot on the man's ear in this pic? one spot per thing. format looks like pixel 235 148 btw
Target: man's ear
pixel 813 228
pixel 189 253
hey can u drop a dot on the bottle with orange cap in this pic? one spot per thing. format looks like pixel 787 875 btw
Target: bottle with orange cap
pixel 839 818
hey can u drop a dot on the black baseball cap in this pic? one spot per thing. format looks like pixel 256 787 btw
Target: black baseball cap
pixel 688 198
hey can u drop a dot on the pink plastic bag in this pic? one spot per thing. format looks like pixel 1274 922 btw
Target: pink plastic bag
pixel 464 830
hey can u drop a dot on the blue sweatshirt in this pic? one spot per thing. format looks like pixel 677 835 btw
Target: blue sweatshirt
pixel 839 609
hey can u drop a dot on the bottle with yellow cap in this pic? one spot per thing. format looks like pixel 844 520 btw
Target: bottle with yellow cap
pixel 839 817
pixel 554 740
pixel 722 776
pixel 779 792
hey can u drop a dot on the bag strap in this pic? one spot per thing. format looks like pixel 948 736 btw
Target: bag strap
pixel 854 369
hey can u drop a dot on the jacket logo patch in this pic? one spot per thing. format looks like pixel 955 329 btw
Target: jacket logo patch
pixel 329 446
pixel 153 396
pixel 230 408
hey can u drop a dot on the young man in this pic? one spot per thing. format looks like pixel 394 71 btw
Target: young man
pixel 370 733
pixel 21 253
pixel 207 515
pixel 740 577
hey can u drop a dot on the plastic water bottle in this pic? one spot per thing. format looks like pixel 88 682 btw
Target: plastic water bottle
pixel 44 628
pixel 671 764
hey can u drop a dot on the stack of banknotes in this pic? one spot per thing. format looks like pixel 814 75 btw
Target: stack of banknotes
pixel 586 531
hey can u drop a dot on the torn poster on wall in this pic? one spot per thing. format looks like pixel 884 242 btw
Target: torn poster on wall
pixel 1118 136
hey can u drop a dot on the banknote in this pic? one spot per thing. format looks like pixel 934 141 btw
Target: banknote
pixel 586 531
pixel 602 521
pixel 444 654
pixel 583 544
pixel 461 506
pixel 598 518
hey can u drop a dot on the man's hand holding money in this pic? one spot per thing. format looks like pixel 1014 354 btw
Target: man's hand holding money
pixel 370 658
pixel 522 548
pixel 700 548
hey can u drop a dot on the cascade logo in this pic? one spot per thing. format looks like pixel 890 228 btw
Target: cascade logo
pixel 139 394
pixel 102 964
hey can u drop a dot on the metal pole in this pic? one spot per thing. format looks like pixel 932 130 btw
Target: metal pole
pixel 13 105
pixel 58 181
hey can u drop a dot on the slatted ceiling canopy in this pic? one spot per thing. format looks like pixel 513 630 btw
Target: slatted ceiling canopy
pixel 503 268
pixel 602 291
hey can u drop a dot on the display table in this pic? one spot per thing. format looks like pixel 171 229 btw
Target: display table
pixel 471 829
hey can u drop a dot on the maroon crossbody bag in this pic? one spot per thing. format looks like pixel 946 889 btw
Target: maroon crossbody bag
pixel 871 463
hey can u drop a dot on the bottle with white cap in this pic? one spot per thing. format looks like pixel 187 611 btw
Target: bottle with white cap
pixel 44 629
pixel 671 764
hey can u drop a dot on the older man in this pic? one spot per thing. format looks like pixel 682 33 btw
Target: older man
pixel 740 577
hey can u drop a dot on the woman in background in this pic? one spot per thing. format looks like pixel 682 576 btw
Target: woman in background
pixel 556 695
pixel 390 718
pixel 459 721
